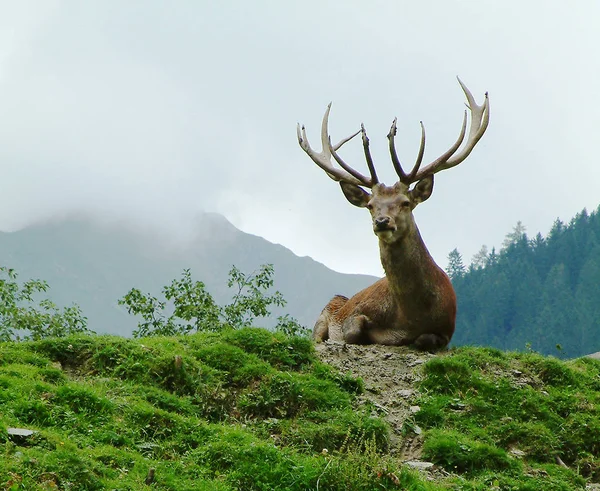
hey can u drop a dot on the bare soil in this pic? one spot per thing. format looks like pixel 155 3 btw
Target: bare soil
pixel 389 374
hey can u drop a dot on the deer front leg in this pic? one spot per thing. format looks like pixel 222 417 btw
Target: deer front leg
pixel 321 329
pixel 431 342
pixel 327 326
pixel 355 330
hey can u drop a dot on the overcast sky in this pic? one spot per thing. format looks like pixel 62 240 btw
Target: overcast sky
pixel 155 110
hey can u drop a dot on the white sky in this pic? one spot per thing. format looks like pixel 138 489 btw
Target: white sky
pixel 156 110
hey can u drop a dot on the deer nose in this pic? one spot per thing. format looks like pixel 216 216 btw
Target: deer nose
pixel 382 222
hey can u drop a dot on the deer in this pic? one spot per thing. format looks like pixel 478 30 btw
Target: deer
pixel 414 303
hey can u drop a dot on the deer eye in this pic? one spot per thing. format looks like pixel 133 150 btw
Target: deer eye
pixel 405 204
pixel 369 206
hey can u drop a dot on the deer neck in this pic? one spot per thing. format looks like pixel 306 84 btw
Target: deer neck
pixel 408 266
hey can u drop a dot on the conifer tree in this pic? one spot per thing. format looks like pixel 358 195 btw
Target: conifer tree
pixel 480 258
pixel 515 236
pixel 455 268
pixel 544 291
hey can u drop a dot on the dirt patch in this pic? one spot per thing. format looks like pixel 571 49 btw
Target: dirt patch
pixel 389 374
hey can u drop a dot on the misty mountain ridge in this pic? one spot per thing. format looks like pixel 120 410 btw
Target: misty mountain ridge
pixel 94 263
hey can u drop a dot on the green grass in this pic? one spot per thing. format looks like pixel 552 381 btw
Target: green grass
pixel 253 410
pixel 503 419
pixel 245 409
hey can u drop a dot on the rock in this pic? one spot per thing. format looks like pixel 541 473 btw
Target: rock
pixel 415 409
pixel 20 432
pixel 457 405
pixel 380 407
pixel 406 393
pixel 419 465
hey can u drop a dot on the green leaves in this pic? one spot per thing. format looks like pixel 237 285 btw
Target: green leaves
pixel 23 317
pixel 194 309
pixel 193 303
pixel 251 299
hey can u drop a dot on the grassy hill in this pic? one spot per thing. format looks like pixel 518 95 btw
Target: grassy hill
pixel 250 409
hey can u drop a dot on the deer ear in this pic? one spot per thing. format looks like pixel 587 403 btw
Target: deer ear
pixel 355 194
pixel 422 190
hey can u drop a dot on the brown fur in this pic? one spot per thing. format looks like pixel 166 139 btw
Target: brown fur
pixel 415 303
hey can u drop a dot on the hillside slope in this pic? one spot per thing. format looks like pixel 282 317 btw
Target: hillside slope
pixel 95 264
pixel 254 410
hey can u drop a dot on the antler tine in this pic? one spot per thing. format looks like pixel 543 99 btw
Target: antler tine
pixel 436 165
pixel 323 158
pixel 480 118
pixel 365 139
pixel 364 180
pixel 415 169
pixel 404 177
pixel 397 165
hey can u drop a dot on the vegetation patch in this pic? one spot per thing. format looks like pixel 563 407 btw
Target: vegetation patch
pixel 244 409
pixel 509 419
pixel 537 293
pixel 255 410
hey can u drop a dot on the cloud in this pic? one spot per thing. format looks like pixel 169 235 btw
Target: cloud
pixel 144 111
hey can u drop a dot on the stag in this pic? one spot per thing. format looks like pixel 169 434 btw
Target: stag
pixel 415 303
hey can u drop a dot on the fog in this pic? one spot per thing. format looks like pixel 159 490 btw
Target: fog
pixel 154 111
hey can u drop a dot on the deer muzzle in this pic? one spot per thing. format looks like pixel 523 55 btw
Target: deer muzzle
pixel 381 224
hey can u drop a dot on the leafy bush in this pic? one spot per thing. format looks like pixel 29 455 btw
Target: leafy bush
pixel 194 309
pixel 23 317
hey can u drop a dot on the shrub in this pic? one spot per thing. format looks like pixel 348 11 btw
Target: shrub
pixel 22 317
pixel 194 309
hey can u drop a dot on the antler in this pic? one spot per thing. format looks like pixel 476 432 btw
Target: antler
pixel 323 158
pixel 480 118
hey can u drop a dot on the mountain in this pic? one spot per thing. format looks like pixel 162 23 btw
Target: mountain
pixel 541 293
pixel 93 264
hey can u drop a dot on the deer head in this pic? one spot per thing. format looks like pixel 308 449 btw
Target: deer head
pixel 391 206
